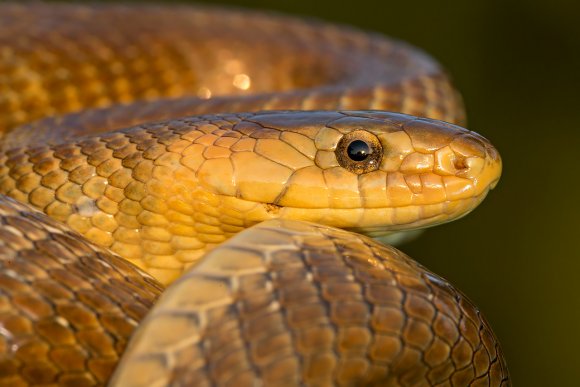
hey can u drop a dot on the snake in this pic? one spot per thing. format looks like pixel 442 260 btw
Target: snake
pixel 252 163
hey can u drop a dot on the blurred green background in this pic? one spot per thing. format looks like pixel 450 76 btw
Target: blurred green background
pixel 517 256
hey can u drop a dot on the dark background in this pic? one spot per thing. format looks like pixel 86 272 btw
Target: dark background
pixel 517 256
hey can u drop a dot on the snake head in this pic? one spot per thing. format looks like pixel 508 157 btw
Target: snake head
pixel 375 172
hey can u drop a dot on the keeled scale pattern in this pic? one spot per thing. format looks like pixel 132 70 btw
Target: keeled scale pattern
pixel 293 303
pixel 67 308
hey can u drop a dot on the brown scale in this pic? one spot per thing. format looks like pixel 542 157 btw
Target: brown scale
pixel 292 303
pixel 67 307
pixel 69 58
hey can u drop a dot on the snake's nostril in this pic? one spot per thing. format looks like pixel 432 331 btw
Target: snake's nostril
pixel 459 162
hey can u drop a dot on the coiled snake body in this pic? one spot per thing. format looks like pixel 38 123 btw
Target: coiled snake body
pixel 281 297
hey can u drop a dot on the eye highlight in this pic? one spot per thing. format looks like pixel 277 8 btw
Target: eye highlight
pixel 359 152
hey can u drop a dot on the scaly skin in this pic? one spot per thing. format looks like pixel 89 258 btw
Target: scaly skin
pixel 284 302
pixel 346 310
pixel 56 325
pixel 68 58
pixel 162 194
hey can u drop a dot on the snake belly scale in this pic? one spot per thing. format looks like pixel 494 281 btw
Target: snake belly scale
pixel 237 157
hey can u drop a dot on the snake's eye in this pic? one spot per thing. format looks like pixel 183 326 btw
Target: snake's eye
pixel 359 152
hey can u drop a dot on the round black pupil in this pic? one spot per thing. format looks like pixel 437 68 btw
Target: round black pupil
pixel 358 150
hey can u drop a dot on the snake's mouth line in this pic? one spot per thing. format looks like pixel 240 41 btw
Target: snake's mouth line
pixel 275 208
pixel 426 222
pixel 351 218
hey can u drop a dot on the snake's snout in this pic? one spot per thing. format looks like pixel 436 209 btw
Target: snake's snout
pixel 466 163
pixel 475 159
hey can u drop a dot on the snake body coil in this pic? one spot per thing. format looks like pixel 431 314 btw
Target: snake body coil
pixel 115 131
